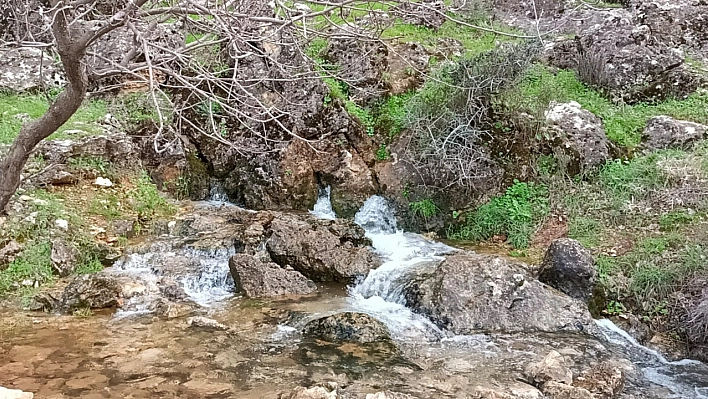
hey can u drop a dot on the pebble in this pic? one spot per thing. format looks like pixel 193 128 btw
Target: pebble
pixel 62 224
pixel 103 182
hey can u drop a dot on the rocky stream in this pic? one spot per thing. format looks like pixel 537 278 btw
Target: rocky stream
pixel 409 327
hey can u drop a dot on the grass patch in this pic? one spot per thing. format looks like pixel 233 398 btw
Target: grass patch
pixel 425 208
pixel 31 269
pixel 516 214
pixel 147 201
pixel 14 109
pixel 623 123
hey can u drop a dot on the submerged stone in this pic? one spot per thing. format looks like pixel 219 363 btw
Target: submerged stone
pixel 348 327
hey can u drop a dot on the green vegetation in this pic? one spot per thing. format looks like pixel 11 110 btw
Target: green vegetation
pixel 148 203
pixel 516 214
pixel 30 270
pixel 425 208
pixel 382 153
pixel 15 109
pixel 623 123
pixel 135 110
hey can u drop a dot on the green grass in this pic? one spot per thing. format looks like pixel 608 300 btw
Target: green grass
pixel 623 123
pixel 390 115
pixel 35 106
pixel 32 267
pixel 515 214
pixel 147 200
pixel 425 208
pixel 472 41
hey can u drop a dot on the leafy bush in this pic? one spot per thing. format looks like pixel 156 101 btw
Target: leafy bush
pixel 515 214
pixel 424 208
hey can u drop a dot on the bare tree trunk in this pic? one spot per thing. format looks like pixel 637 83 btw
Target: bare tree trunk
pixel 32 133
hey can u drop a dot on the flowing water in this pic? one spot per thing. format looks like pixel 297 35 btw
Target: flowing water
pixel 262 355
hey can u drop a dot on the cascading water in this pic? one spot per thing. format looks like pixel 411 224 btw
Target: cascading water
pixel 323 206
pixel 685 378
pixel 202 274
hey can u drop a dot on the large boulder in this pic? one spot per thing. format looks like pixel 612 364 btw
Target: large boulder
pixel 322 250
pixel 627 59
pixel 678 23
pixel 26 69
pixel 117 148
pixel 94 291
pixel 264 280
pixel 663 132
pixel 570 268
pixel 468 293
pixel 348 327
pixel 578 133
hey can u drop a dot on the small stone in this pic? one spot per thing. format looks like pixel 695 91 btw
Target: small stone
pixel 103 182
pixel 62 224
pixel 25 198
pixel 205 323
pixel 40 202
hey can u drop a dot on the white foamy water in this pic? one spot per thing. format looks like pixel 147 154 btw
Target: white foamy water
pixel 323 206
pixel 203 275
pixel 380 293
pixel 684 378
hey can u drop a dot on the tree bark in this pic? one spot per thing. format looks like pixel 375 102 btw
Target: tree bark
pixel 67 103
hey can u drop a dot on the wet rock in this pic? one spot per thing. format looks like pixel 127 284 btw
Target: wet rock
pixel 8 252
pixel 63 257
pixel 348 327
pixel 558 390
pixel 312 393
pixel 168 309
pixel 554 367
pixel 26 69
pixel 265 280
pixel 663 132
pixel 6 393
pixel 322 250
pixel 605 380
pixel 578 133
pixel 634 327
pixel 515 391
pixel 570 268
pixel 95 291
pixel 469 293
pixel 205 323
pixel 389 395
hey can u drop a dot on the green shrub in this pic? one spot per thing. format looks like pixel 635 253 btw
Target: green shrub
pixel 515 214
pixel 424 208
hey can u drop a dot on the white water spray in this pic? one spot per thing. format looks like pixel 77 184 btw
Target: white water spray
pixel 323 206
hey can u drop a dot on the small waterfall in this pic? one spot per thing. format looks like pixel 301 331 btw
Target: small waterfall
pixel 202 274
pixel 379 294
pixel 685 378
pixel 323 206
pixel 217 192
